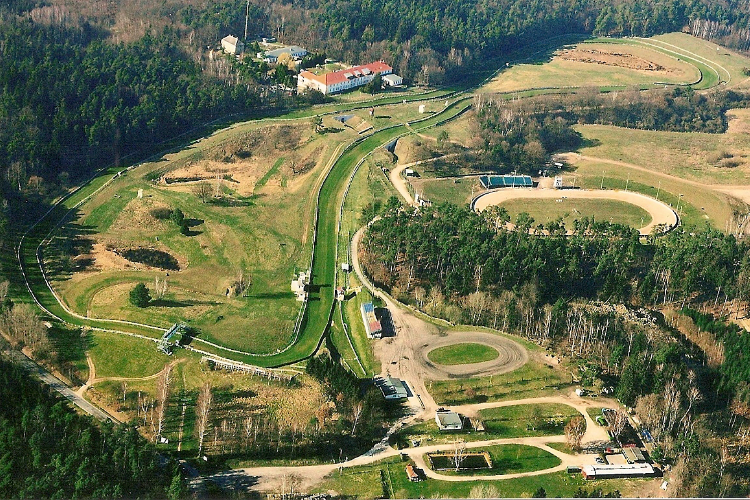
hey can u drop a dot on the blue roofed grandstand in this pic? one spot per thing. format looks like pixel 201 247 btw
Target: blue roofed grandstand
pixel 372 325
pixel 498 181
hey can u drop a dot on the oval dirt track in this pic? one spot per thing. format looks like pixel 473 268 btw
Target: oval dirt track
pixel 511 356
pixel 660 213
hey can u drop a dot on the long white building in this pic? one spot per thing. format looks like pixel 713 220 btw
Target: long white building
pixel 345 79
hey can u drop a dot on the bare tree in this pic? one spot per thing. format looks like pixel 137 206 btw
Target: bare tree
pixel 163 387
pixel 574 432
pixel 420 294
pixel 24 326
pixel 203 191
pixel 248 426
pixel 203 410
pixel 356 414
pixel 435 301
pixel 459 452
pixel 477 302
pixel 4 286
pixel 618 423
pixel 160 287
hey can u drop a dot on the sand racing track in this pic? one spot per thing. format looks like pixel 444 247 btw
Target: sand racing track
pixel 660 213
pixel 511 356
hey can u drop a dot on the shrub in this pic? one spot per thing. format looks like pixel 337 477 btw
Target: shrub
pixel 177 216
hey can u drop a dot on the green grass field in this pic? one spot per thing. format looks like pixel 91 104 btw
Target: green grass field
pixel 697 206
pixel 457 191
pixel 123 356
pixel 544 211
pixel 527 420
pixel 515 421
pixel 531 380
pixel 691 156
pixel 365 483
pixel 728 63
pixel 265 333
pixel 458 354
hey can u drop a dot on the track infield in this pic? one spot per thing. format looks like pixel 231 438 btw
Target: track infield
pixel 511 355
pixel 660 213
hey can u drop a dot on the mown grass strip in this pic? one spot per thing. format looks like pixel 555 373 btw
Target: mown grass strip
pixel 271 172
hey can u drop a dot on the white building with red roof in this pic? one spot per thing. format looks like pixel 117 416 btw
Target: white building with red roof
pixel 342 80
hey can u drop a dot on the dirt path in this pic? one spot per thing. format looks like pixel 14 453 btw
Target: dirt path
pixel 400 183
pixel 134 379
pixel 92 376
pixel 594 432
pixel 661 214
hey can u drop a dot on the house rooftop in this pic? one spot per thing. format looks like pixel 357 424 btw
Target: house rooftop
pixel 346 74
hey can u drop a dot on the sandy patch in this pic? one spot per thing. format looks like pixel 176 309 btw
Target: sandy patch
pixel 739 121
pixel 620 58
pixel 105 260
pixel 137 215
pixel 241 162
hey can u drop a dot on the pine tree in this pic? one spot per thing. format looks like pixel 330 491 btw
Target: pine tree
pixel 140 296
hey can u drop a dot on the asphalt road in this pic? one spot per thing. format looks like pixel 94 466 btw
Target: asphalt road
pixel 55 383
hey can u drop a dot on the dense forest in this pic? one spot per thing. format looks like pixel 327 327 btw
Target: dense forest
pixel 461 252
pixel 48 451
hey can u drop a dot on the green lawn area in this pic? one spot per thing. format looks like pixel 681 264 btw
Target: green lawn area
pixel 213 245
pixel 527 420
pixel 544 211
pixel 696 207
pixel 544 419
pixel 124 356
pixel 457 191
pixel 531 380
pixel 458 354
pixel 692 155
pixel 720 57
pixel 365 483
pixel 510 459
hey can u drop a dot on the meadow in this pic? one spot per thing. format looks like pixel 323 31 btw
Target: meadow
pixel 544 211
